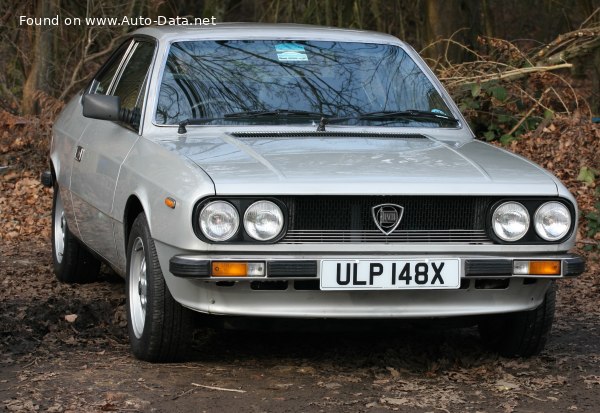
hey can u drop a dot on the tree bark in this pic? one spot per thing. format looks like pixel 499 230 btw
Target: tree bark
pixel 40 72
pixel 595 99
pixel 459 19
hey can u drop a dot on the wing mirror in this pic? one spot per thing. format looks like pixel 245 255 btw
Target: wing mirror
pixel 105 107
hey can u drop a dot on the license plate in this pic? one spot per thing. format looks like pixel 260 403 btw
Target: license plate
pixel 420 274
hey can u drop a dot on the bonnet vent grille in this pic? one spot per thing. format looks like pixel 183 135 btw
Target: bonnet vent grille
pixel 332 134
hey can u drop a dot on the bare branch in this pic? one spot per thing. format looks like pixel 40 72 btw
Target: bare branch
pixel 506 75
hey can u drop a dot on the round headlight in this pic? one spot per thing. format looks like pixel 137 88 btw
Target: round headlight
pixel 552 221
pixel 510 221
pixel 263 220
pixel 219 221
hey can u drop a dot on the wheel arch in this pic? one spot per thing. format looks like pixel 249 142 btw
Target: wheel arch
pixel 133 207
pixel 57 168
pixel 52 171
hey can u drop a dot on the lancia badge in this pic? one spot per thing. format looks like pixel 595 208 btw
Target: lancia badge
pixel 387 217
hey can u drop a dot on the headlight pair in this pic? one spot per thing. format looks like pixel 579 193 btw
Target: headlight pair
pixel 220 220
pixel 511 221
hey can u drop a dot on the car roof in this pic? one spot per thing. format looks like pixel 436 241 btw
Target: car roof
pixel 227 31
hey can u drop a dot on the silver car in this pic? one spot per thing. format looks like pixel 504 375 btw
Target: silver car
pixel 300 172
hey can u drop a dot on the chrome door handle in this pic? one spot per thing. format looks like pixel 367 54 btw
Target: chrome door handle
pixel 79 153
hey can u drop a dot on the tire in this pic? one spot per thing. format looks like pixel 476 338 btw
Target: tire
pixel 160 329
pixel 522 334
pixel 72 262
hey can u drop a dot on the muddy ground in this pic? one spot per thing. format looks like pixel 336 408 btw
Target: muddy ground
pixel 51 362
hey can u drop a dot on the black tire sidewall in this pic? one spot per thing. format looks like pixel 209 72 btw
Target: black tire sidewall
pixel 168 325
pixel 63 268
pixel 57 266
pixel 78 265
pixel 144 347
pixel 522 334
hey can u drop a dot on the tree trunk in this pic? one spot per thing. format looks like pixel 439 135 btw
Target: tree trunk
pixel 595 98
pixel 459 19
pixel 40 73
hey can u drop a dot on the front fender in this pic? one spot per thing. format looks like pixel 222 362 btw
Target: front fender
pixel 152 173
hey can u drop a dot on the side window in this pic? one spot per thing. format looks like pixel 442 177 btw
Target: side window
pixel 102 81
pixel 132 78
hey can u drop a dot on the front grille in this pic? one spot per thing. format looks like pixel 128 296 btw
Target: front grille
pixel 349 219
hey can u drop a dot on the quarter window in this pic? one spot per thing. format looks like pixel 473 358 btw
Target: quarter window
pixel 133 76
pixel 103 80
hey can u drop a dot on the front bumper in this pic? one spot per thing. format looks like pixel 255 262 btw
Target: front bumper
pixel 199 267
pixel 290 288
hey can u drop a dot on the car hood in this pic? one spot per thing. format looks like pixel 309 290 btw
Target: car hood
pixel 254 163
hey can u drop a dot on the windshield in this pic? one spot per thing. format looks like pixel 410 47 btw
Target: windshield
pixel 213 79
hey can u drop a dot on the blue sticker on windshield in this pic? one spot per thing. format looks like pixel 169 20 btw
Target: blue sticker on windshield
pixel 290 52
pixel 439 112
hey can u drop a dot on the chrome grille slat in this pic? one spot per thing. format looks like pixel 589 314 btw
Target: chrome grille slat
pixel 350 236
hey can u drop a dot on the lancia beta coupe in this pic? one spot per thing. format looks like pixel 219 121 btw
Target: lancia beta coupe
pixel 301 172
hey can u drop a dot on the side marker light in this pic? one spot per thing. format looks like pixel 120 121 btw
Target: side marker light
pixel 170 202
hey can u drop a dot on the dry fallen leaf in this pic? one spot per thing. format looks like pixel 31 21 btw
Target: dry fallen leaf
pixel 71 318
pixel 504 385
pixel 395 401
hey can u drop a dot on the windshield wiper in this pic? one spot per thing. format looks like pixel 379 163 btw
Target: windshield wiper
pixel 276 113
pixel 405 115
pixel 272 113
pixel 410 114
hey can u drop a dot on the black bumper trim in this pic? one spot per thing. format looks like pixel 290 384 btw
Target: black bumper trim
pixel 573 266
pixel 291 269
pixel 486 268
pixel 189 268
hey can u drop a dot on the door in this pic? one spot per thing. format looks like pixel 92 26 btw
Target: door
pixel 104 145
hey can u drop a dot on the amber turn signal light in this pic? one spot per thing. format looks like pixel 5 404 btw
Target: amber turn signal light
pixel 536 267
pixel 170 202
pixel 237 269
pixel 544 267
pixel 228 269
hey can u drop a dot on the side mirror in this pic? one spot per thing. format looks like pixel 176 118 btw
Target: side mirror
pixel 103 107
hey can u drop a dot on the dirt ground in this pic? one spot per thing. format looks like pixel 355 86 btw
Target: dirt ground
pixel 52 361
